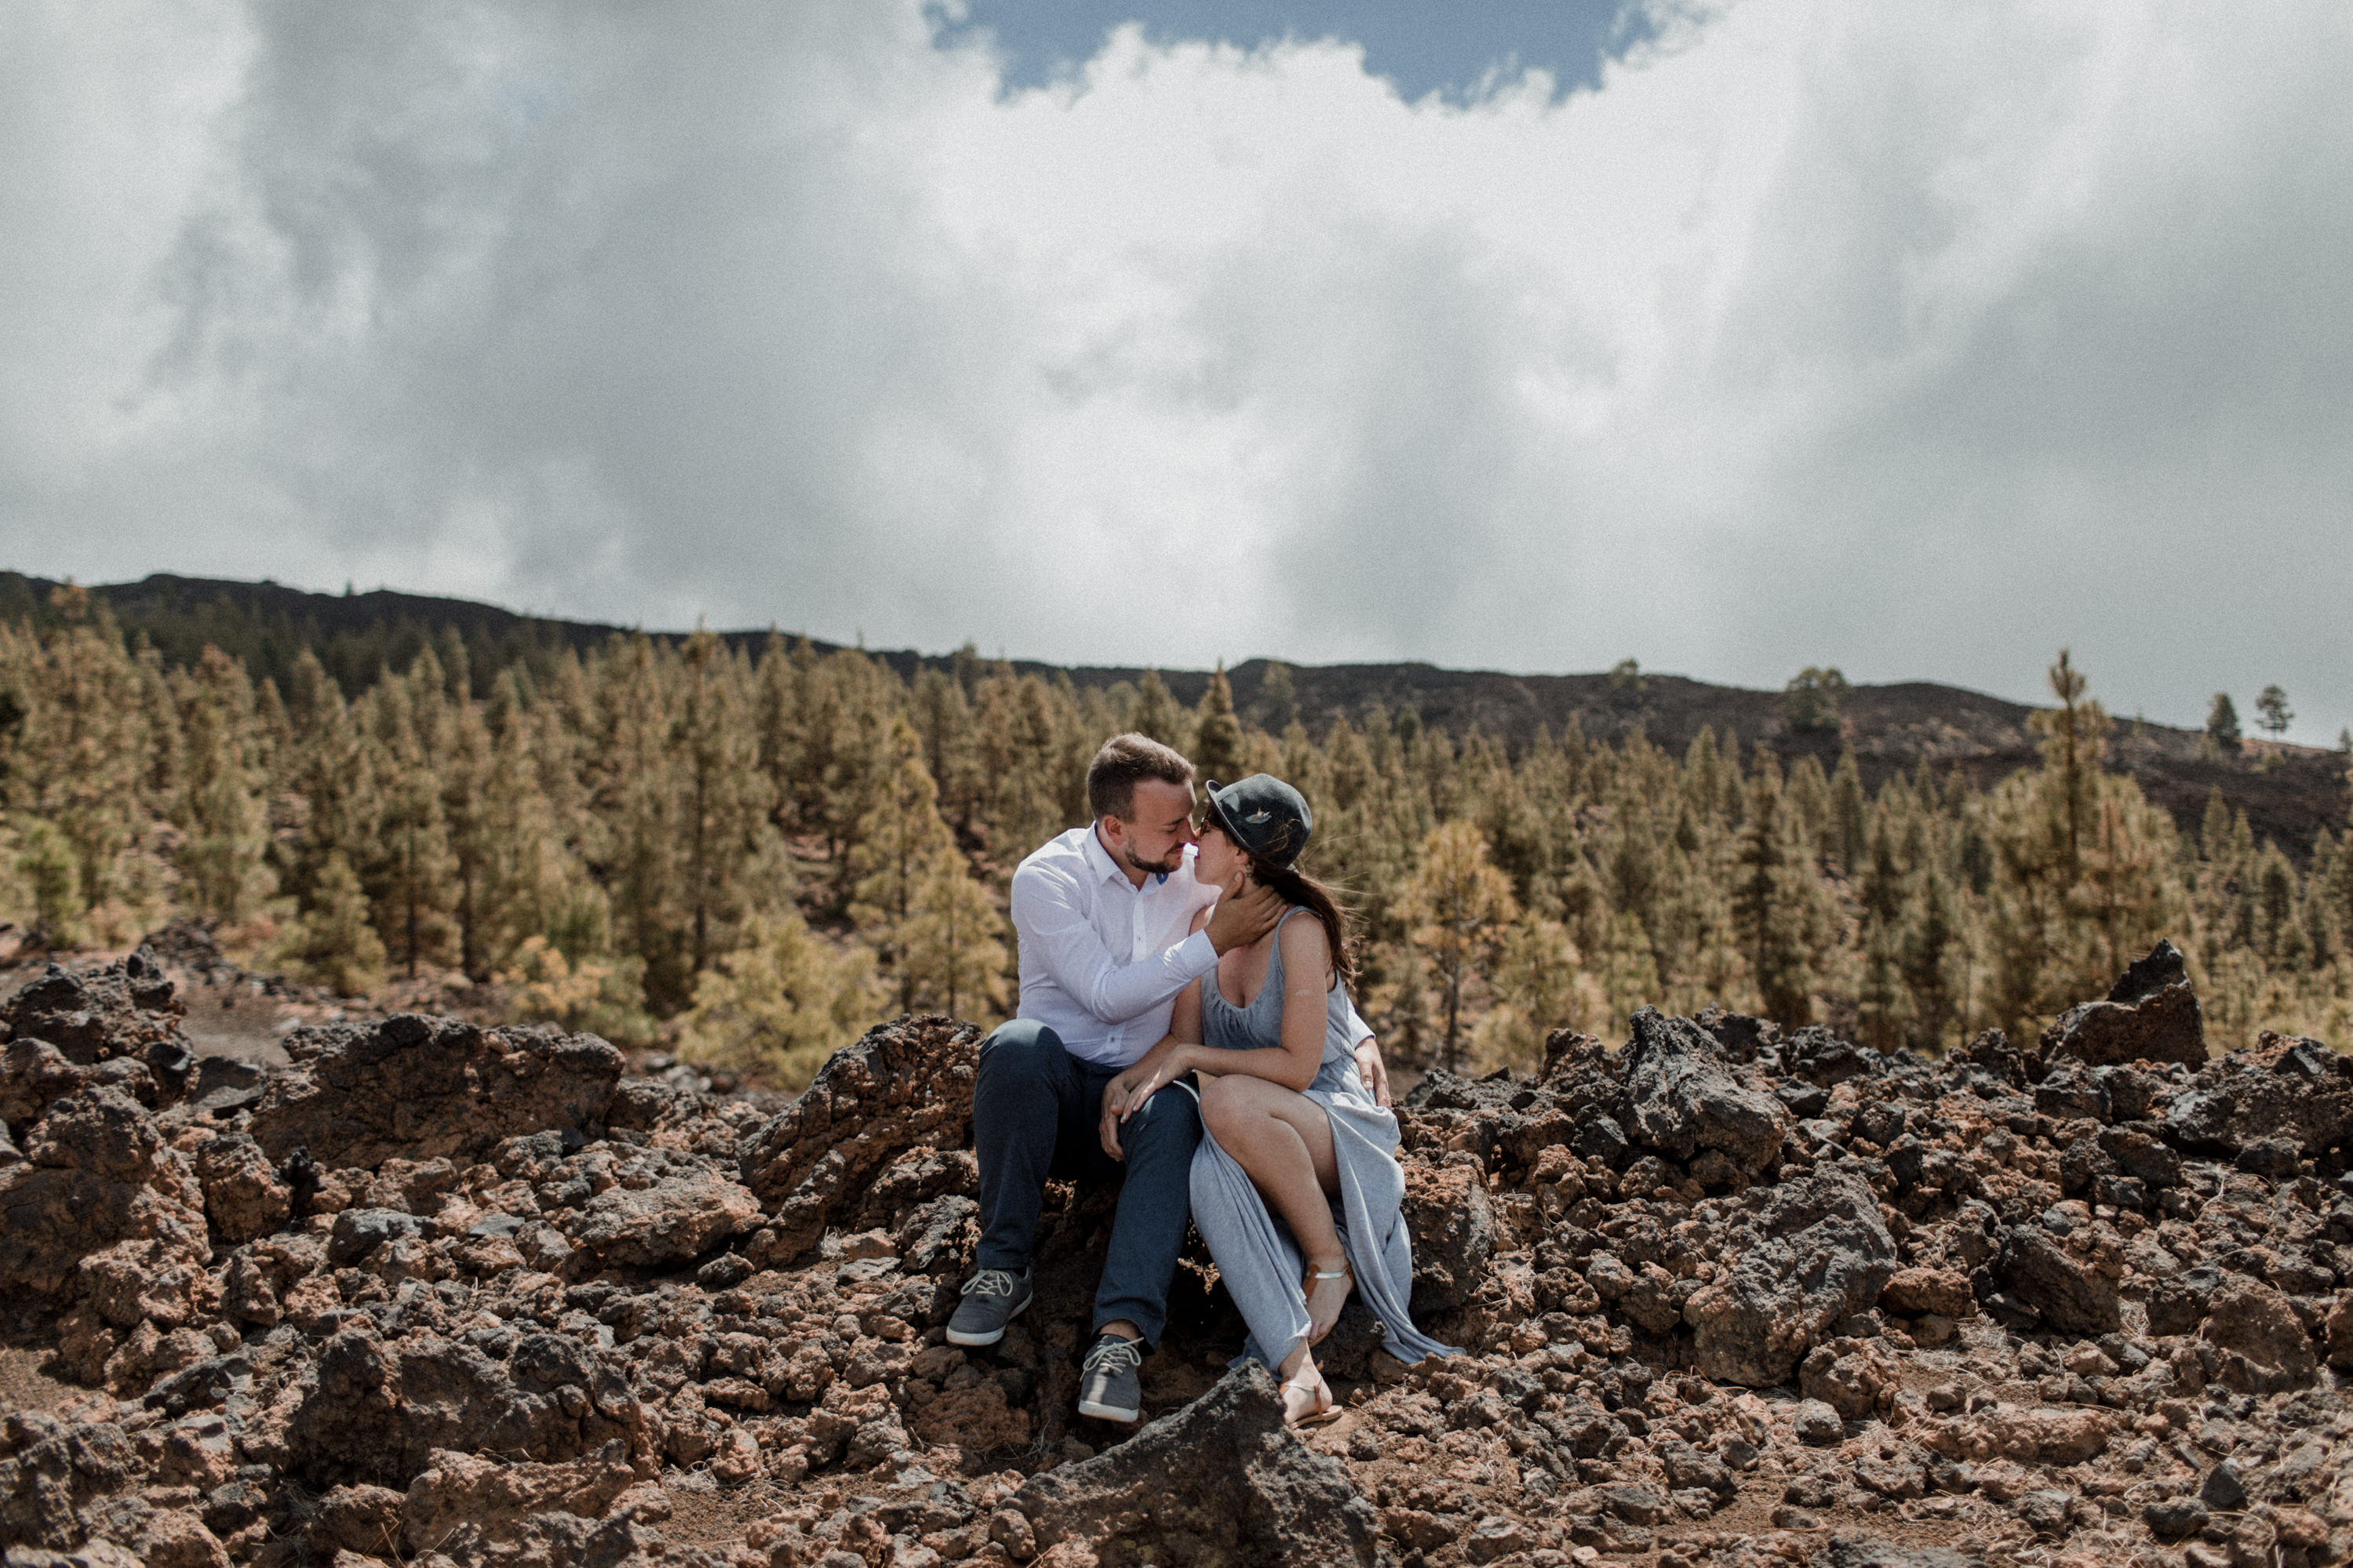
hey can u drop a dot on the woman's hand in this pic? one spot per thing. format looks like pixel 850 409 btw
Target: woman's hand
pixel 1371 1070
pixel 1125 1095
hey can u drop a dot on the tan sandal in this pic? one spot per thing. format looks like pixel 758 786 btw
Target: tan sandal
pixel 1326 1412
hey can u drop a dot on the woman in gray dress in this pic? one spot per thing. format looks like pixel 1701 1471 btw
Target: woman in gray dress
pixel 1296 1184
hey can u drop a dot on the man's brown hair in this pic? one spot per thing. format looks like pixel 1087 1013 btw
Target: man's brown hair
pixel 1125 761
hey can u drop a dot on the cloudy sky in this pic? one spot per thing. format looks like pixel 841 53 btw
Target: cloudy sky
pixel 1918 340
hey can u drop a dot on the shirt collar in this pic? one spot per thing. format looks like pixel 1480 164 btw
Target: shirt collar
pixel 1099 857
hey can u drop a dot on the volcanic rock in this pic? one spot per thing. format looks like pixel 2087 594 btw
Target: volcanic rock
pixel 98 1176
pixel 419 1088
pixel 463 1505
pixel 2068 1289
pixel 2266 1347
pixel 1221 1480
pixel 122 1012
pixel 381 1407
pixel 1683 1101
pixel 2151 1015
pixel 1805 1254
pixel 640 1208
pixel 905 1085
pixel 2297 1088
pixel 475 1296
pixel 1454 1231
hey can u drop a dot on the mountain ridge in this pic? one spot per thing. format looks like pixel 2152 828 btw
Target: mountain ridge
pixel 2288 792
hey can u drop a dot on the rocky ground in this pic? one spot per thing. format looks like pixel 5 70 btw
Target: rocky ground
pixel 434 1292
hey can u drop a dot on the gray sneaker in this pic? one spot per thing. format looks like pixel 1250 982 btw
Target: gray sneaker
pixel 992 1298
pixel 1109 1389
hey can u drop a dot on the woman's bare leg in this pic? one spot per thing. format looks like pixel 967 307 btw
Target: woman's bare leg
pixel 1282 1141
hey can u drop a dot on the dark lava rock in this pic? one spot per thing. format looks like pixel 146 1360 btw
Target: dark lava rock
pixel 98 1176
pixel 1683 1100
pixel 126 1008
pixel 1859 1551
pixel 639 1208
pixel 1805 1254
pixel 905 1085
pixel 2176 1306
pixel 2072 1295
pixel 420 1089
pixel 225 1084
pixel 381 1407
pixel 1453 1230
pixel 359 1232
pixel 2173 1518
pixel 2151 1015
pixel 2222 1491
pixel 1221 1480
pixel 1822 1058
pixel 2295 1089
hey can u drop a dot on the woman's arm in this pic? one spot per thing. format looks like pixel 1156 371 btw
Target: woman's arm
pixel 1306 977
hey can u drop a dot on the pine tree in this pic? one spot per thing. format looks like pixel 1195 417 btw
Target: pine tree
pixel 1541 984
pixel 226 855
pixel 1277 697
pixel 1777 903
pixel 1157 714
pixel 781 1002
pixel 412 884
pixel 334 945
pixel 1847 840
pixel 45 864
pixel 1929 942
pixel 724 797
pixel 77 755
pixel 466 773
pixel 1217 733
pixel 635 804
pixel 1460 909
pixel 2222 722
pixel 2272 703
pixel 950 955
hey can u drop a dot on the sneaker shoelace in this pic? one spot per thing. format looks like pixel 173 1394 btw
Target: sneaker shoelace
pixel 992 1282
pixel 1114 1355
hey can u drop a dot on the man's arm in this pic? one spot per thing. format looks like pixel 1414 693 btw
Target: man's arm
pixel 1051 923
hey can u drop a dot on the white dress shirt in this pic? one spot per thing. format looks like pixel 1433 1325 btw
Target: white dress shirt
pixel 1101 959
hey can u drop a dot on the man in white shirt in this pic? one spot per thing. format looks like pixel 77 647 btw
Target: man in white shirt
pixel 1106 917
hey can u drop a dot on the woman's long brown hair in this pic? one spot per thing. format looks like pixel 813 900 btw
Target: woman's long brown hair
pixel 1294 886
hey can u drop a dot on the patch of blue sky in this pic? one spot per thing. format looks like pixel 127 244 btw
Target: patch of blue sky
pixel 1460 50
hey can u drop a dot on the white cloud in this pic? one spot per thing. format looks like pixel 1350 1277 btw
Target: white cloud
pixel 1918 340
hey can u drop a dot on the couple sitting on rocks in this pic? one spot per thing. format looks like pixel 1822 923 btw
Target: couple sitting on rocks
pixel 1179 1017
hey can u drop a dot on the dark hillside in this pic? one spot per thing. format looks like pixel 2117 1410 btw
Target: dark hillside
pixel 2287 792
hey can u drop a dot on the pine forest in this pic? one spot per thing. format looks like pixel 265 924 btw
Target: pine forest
pixel 751 855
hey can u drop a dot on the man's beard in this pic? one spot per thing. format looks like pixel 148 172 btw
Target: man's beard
pixel 1167 867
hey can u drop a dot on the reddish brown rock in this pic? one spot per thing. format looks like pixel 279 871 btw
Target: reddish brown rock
pixel 2263 1344
pixel 1917 1291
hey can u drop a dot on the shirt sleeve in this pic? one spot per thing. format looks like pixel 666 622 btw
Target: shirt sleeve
pixel 1047 918
pixel 1358 1030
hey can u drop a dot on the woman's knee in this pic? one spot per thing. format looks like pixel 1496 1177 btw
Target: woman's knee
pixel 1225 1101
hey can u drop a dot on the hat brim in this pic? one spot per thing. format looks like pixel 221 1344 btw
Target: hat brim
pixel 1209 788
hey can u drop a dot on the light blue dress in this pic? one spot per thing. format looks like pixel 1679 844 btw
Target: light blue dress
pixel 1256 1254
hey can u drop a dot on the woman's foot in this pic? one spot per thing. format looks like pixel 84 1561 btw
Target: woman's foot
pixel 1327 1285
pixel 1307 1399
